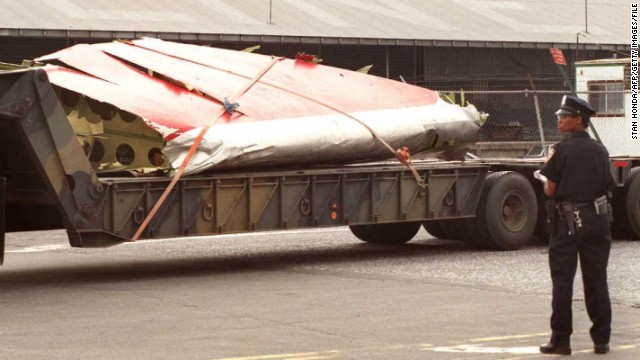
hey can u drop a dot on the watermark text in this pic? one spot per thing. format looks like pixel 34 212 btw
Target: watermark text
pixel 634 131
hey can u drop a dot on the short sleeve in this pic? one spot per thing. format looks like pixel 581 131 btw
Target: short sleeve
pixel 550 168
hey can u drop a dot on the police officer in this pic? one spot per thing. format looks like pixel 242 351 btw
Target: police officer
pixel 578 178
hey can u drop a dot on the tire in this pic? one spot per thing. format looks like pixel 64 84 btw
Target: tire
pixel 633 203
pixel 540 232
pixel 626 208
pixel 451 229
pixel 455 229
pixel 386 234
pixel 361 232
pixel 507 212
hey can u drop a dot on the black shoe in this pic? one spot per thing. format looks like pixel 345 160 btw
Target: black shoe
pixel 601 348
pixel 552 348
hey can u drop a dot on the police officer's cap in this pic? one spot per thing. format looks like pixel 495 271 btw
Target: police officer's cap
pixel 573 105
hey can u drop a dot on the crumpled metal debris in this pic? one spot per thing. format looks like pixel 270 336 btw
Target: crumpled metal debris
pixel 326 139
pixel 129 98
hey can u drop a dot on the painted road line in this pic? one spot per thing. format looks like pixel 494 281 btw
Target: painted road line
pixel 341 229
pixel 510 337
pixel 534 335
pixel 39 248
pixel 625 347
pixel 479 349
pixel 614 348
pixel 53 247
pixel 293 356
pixel 470 346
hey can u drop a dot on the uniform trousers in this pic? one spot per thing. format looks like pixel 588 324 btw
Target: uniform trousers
pixel 591 244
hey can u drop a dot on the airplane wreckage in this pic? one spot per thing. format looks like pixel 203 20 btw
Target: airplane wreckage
pixel 150 105
pixel 267 141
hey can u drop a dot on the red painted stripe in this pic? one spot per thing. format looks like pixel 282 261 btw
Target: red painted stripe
pixel 289 89
pixel 348 90
pixel 153 110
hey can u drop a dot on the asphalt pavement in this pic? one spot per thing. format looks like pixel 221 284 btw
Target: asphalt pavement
pixel 317 294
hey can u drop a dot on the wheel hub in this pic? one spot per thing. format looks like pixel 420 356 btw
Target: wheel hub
pixel 514 211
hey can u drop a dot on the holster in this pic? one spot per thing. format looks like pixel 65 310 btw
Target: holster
pixel 566 215
pixel 603 207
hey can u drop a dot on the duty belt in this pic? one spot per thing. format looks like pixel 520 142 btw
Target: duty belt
pixel 569 212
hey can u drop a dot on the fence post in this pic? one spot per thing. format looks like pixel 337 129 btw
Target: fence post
pixel 539 117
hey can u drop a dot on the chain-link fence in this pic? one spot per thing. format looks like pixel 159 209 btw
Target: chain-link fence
pixel 528 116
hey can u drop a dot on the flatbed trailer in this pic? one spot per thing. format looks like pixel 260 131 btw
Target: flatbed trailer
pixel 47 182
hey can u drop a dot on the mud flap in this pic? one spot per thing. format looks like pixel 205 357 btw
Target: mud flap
pixel 3 185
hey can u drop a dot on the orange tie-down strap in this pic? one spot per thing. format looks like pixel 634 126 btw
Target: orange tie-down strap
pixel 401 154
pixel 195 145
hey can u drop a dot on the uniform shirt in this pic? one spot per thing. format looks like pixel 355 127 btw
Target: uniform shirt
pixel 580 168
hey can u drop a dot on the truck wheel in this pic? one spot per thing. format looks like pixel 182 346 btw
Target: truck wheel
pixel 540 232
pixel 507 212
pixel 626 208
pixel 633 202
pixel 361 232
pixel 387 234
pixel 455 229
pixel 450 229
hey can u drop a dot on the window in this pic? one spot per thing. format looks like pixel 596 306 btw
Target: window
pixel 607 97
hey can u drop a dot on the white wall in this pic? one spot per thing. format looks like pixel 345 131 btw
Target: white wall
pixel 613 131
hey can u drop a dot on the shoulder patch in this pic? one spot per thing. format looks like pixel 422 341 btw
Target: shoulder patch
pixel 552 152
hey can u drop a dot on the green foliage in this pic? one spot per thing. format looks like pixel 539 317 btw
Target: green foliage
pixel 365 69
pixel 251 49
pixel 451 98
